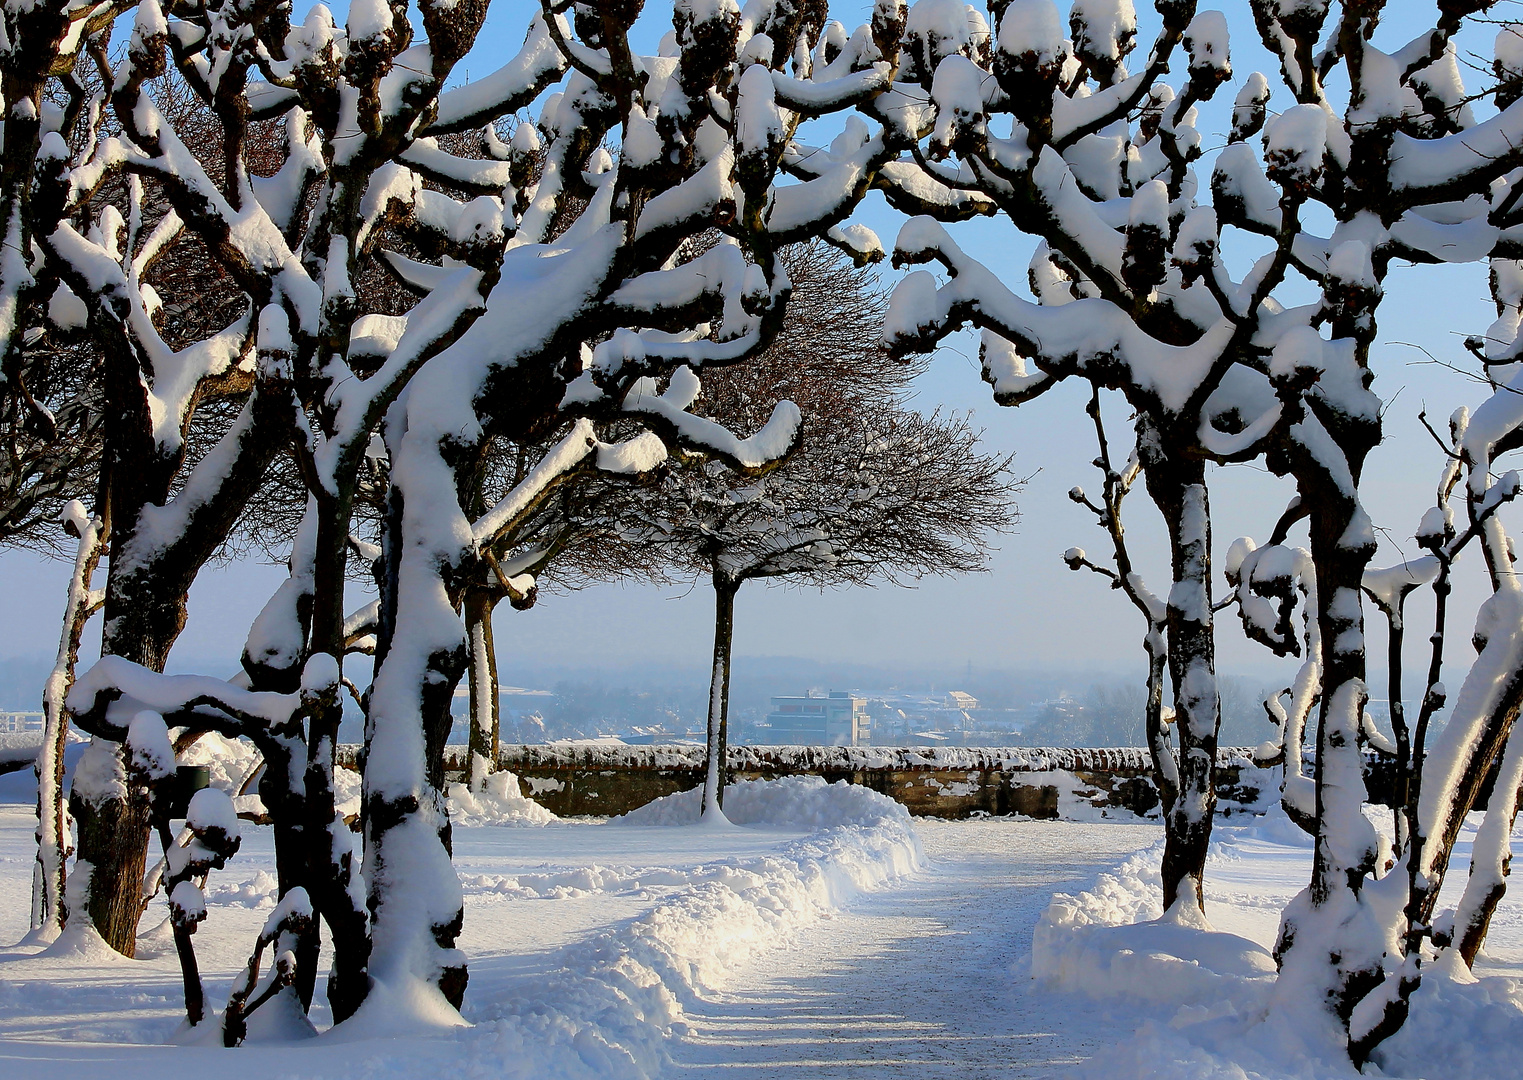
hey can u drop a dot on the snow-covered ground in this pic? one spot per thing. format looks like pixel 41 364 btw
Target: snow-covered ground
pixel 1192 1000
pixel 587 940
pixel 924 979
pixel 822 935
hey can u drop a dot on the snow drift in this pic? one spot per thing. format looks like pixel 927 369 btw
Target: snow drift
pixel 497 800
pixel 1200 998
pixel 792 800
pixel 614 999
pixel 1115 941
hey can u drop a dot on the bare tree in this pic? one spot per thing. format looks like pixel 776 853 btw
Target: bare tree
pixel 877 494
pixel 1116 484
pixel 876 491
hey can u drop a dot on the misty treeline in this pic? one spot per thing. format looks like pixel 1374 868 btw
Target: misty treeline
pixel 265 276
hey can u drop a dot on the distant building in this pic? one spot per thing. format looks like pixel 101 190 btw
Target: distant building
pixel 922 719
pixel 841 719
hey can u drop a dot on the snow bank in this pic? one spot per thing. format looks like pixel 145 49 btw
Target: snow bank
pixel 1199 997
pixel 1116 941
pixel 612 1001
pixel 1460 1027
pixel 498 800
pixel 231 761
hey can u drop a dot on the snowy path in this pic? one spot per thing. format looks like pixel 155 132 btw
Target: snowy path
pixel 916 980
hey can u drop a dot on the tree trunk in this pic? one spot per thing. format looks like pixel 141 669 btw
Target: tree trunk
pixel 331 865
pixel 287 806
pixel 330 862
pixel 1491 857
pixel 1160 748
pixel 185 949
pixel 486 708
pixel 114 826
pixel 414 897
pixel 113 850
pixel 48 912
pixel 1328 938
pixel 1177 486
pixel 715 774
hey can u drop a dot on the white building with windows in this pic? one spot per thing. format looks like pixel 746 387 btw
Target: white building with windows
pixel 838 719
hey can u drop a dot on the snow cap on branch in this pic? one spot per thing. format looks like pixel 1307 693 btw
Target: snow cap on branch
pixel 148 745
pixel 1294 143
pixel 1031 40
pixel 1104 32
pixel 1248 109
pixel 1206 41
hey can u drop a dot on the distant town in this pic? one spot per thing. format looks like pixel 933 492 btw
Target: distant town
pixel 778 701
pixel 1092 713
pixel 816 717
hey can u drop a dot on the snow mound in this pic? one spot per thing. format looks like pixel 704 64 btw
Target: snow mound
pixel 1115 941
pixel 498 800
pixel 792 800
pixel 577 882
pixel 82 943
pixel 1275 827
pixel 1460 1027
pixel 261 890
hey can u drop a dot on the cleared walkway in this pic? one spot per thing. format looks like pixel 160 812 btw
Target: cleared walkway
pixel 924 980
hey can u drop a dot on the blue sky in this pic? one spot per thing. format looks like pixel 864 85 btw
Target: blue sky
pixel 1028 611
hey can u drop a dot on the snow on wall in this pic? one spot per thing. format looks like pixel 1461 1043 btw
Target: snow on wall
pixel 846 758
pixel 949 782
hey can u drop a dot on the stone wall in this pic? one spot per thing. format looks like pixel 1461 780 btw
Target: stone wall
pixel 944 782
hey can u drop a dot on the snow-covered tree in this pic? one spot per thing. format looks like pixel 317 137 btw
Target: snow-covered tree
pixel 1127 291
pixel 552 298
pixel 1130 291
pixel 50 390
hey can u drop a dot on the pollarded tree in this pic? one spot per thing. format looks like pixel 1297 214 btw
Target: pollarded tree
pixel 556 298
pixel 1131 293
pixel 1128 295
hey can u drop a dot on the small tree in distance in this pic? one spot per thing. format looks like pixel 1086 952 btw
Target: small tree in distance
pixel 877 490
